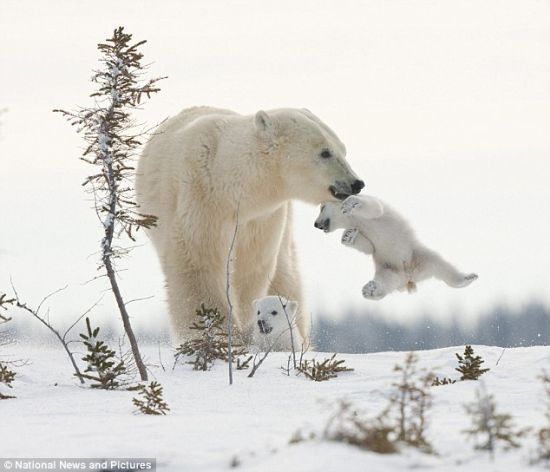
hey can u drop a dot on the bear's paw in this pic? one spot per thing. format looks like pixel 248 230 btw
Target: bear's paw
pixel 349 235
pixel 350 205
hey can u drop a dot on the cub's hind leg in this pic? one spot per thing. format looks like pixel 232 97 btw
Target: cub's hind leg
pixel 386 280
pixel 431 264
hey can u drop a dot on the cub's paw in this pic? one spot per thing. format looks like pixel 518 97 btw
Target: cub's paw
pixel 373 291
pixel 350 205
pixel 468 279
pixel 349 235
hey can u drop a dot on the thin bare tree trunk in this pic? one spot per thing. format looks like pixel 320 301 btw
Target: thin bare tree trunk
pixel 109 224
pixel 126 321
pixel 230 305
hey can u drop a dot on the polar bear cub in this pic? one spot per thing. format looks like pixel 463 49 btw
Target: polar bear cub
pixel 400 260
pixel 276 324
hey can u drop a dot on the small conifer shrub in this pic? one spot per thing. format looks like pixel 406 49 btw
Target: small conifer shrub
pixel 150 400
pixel 349 426
pixel 443 381
pixel 319 371
pixel 403 422
pixel 543 434
pixel 211 343
pixel 102 364
pixel 469 365
pixel 489 427
pixel 410 403
pixel 7 376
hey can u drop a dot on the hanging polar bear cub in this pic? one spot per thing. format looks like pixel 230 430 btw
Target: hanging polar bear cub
pixel 400 260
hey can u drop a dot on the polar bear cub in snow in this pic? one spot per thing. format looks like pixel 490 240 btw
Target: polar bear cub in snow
pixel 276 324
pixel 400 260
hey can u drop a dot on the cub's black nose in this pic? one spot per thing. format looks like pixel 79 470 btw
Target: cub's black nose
pixel 264 327
pixel 323 224
pixel 357 186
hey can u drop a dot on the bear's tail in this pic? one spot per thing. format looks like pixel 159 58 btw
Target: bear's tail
pixel 411 286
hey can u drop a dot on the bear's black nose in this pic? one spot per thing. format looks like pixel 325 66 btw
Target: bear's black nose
pixel 264 327
pixel 357 186
pixel 323 224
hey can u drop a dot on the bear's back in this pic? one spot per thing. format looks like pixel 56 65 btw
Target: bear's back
pixel 189 115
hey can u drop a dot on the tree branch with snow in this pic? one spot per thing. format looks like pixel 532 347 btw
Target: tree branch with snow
pixel 113 138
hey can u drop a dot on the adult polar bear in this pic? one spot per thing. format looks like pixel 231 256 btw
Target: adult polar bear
pixel 205 165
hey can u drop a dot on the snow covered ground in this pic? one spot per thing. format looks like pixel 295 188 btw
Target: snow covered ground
pixel 212 424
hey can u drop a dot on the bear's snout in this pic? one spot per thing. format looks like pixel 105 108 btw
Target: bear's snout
pixel 264 327
pixel 357 186
pixel 342 190
pixel 322 224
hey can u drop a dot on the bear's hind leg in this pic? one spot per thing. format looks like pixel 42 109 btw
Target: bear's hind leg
pixel 433 265
pixel 385 281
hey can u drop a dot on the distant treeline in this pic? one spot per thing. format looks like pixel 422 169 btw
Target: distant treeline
pixel 368 332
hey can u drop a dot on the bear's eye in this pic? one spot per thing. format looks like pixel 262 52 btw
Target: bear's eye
pixel 258 312
pixel 273 312
pixel 326 154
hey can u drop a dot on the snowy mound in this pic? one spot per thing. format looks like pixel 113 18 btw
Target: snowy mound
pixel 212 425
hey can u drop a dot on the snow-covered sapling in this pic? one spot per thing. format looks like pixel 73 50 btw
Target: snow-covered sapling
pixel 102 364
pixel 443 381
pixel 112 141
pixel 543 434
pixel 401 260
pixel 349 426
pixel 410 403
pixel 469 365
pixel 151 401
pixel 489 427
pixel 319 371
pixel 211 343
pixel 7 376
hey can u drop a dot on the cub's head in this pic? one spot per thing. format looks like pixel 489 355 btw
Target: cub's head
pixel 273 314
pixel 311 159
pixel 330 217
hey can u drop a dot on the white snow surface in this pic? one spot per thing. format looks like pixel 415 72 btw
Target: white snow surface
pixel 211 423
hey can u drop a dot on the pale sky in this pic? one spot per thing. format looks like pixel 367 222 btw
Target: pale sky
pixel 444 108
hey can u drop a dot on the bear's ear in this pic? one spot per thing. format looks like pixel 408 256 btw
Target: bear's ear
pixel 291 308
pixel 263 122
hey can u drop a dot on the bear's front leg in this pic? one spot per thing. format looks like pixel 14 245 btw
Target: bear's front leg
pixel 187 291
pixel 362 206
pixel 353 238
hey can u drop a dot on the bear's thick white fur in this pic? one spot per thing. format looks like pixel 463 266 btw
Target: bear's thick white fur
pixel 276 324
pixel 400 260
pixel 205 166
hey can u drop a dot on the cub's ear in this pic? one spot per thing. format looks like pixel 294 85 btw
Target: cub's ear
pixel 263 122
pixel 255 304
pixel 291 308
